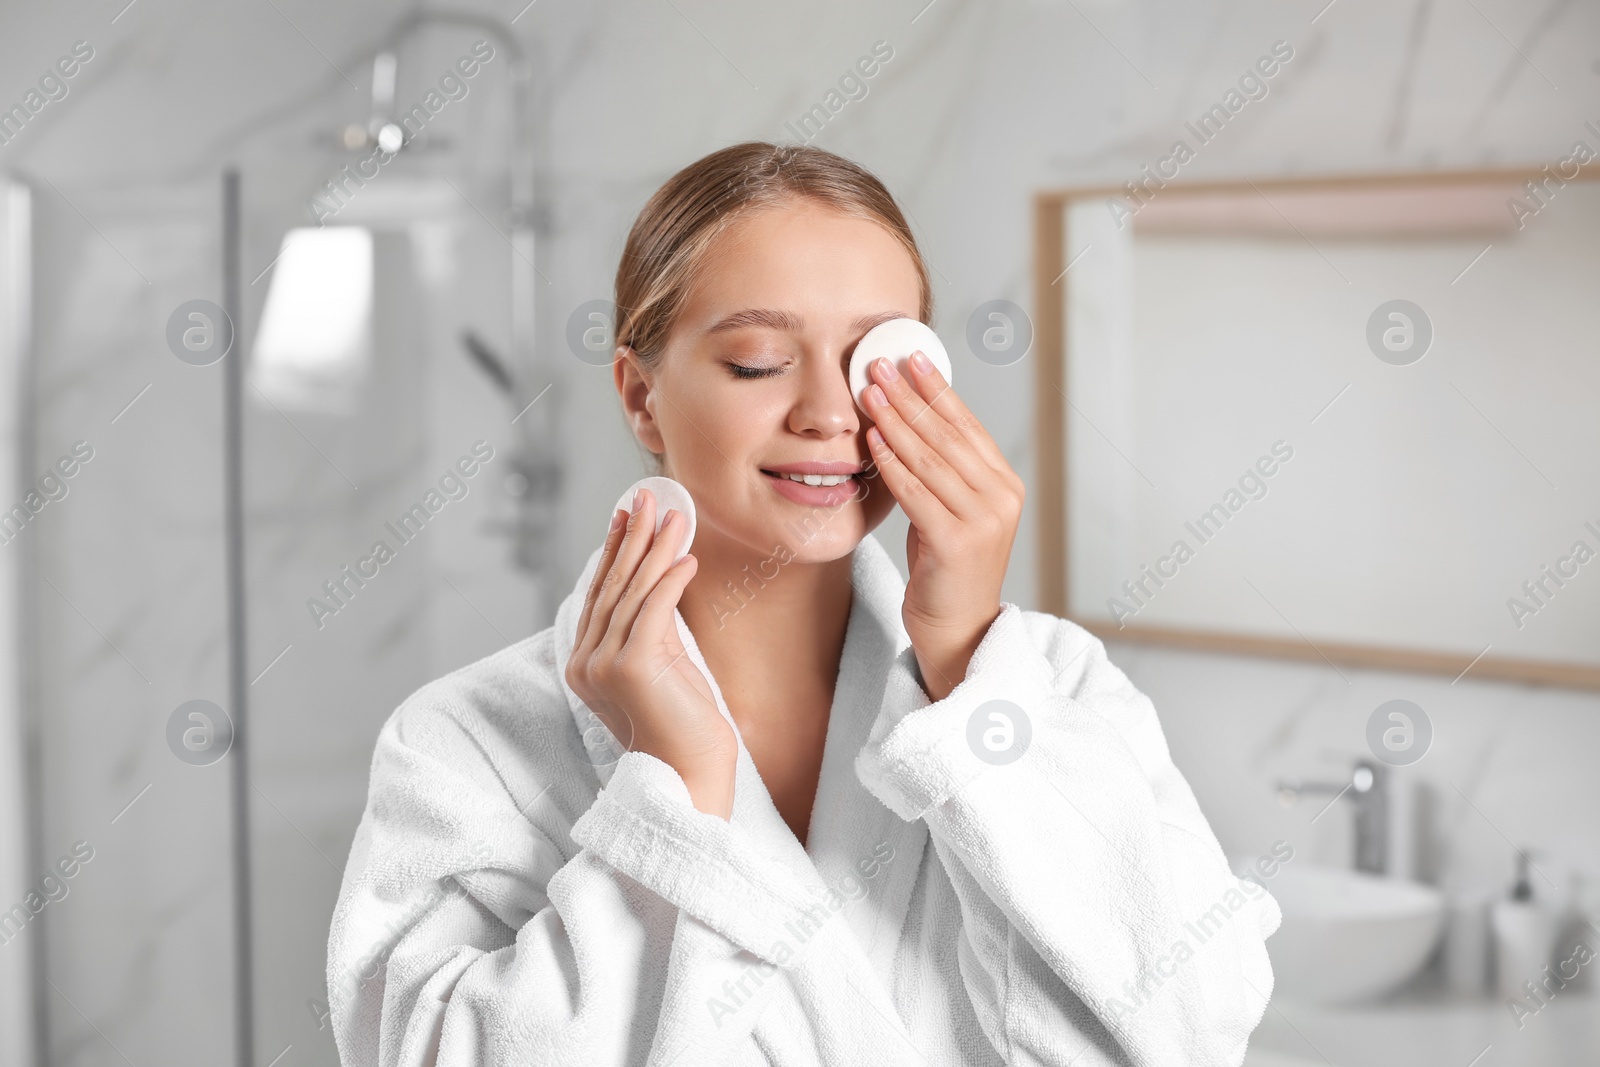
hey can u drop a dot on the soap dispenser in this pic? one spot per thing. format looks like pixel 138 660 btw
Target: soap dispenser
pixel 1575 938
pixel 1524 933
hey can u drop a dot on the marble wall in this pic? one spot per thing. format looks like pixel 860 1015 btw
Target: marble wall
pixel 980 105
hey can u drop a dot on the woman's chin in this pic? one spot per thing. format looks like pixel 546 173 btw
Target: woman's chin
pixel 797 537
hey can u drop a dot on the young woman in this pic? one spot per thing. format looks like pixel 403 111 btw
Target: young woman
pixel 772 804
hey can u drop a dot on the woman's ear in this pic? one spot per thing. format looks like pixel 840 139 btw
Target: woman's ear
pixel 637 390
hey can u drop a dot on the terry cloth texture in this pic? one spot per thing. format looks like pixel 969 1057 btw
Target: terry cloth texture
pixel 514 895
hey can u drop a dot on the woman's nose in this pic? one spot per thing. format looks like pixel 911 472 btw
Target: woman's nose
pixel 824 405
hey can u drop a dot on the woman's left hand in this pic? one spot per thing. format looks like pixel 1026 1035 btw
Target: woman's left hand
pixel 964 502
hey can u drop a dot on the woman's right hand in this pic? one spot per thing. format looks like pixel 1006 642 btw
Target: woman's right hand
pixel 629 666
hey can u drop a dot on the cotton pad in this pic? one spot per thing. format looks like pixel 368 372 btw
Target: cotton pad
pixel 897 339
pixel 669 495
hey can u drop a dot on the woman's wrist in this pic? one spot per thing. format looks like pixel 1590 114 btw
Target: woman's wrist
pixel 943 658
pixel 706 765
pixel 707 774
pixel 711 790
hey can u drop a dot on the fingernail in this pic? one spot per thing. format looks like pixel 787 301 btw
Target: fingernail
pixel 886 368
pixel 618 517
pixel 878 396
pixel 638 499
pixel 670 512
pixel 920 361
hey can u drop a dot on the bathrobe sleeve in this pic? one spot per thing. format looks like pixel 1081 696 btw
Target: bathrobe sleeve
pixel 495 910
pixel 1101 922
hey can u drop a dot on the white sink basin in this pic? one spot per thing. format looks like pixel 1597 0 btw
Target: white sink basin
pixel 1347 935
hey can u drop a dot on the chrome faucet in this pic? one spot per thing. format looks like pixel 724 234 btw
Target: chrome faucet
pixel 1368 789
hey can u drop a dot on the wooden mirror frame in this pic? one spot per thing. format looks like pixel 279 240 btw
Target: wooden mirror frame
pixel 1050 492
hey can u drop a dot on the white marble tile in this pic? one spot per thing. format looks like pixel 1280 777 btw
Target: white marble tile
pixel 981 106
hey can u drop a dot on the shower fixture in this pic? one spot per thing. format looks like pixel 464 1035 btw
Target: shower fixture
pixel 380 130
pixel 535 483
pixel 536 479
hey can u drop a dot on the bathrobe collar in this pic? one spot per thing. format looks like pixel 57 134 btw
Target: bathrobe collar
pixel 853 841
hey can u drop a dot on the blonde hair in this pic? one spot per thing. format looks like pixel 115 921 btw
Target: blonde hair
pixel 698 203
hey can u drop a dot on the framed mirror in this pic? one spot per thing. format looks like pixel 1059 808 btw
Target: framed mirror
pixel 1349 420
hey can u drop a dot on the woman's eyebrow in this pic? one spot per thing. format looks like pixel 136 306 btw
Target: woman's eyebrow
pixel 789 322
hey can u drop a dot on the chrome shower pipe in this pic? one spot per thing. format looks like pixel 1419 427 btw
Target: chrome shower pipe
pixel 535 424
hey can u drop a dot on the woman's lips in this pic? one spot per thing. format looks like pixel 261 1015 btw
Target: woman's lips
pixel 801 493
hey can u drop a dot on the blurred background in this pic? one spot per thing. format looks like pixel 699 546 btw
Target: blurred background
pixel 282 280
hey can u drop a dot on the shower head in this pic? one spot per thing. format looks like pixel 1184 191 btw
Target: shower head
pixel 381 131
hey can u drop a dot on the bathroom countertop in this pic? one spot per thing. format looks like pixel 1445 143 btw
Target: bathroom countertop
pixel 1427 1026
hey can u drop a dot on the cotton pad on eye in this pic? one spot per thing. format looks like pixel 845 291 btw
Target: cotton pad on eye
pixel 669 495
pixel 897 339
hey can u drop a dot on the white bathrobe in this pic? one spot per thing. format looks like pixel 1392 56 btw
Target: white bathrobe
pixel 517 896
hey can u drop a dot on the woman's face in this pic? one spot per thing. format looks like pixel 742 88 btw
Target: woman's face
pixel 752 381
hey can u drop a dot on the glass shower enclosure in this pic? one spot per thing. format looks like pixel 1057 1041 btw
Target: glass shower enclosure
pixel 196 697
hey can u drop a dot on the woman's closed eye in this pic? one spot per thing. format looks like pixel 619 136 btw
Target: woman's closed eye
pixel 740 370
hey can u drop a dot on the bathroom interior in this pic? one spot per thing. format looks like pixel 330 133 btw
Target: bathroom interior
pixel 1304 288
